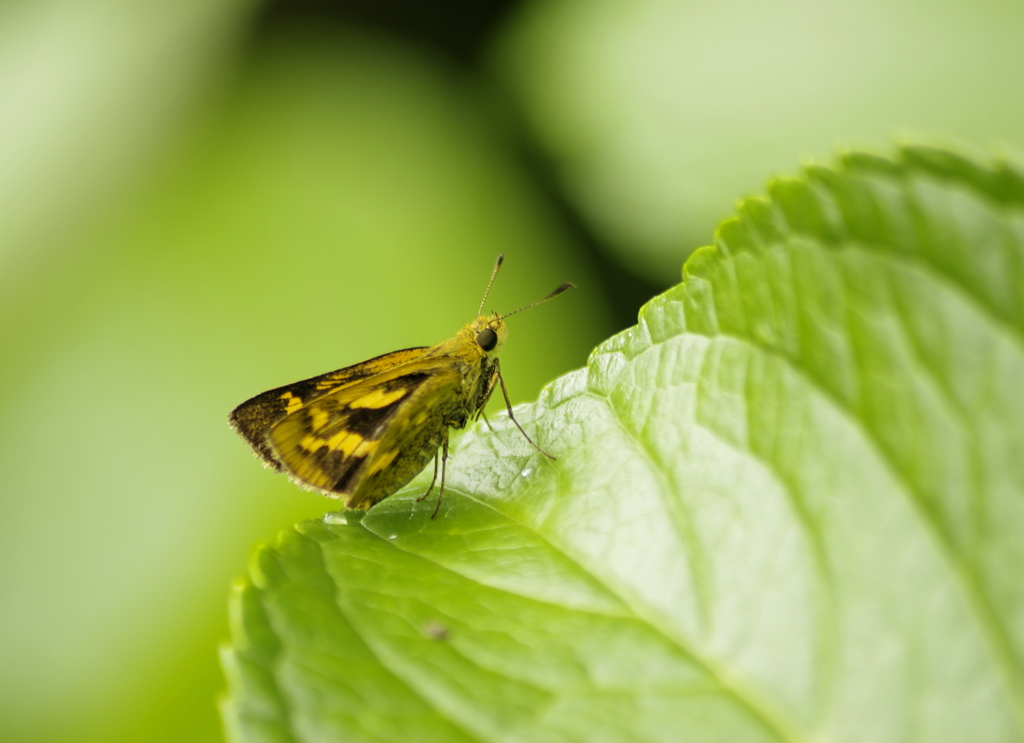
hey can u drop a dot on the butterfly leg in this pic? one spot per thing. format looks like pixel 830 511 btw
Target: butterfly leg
pixel 508 404
pixel 444 461
pixel 492 382
pixel 432 481
pixel 482 413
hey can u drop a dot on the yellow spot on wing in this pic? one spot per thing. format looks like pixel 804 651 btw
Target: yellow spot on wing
pixel 311 443
pixel 318 419
pixel 347 442
pixel 378 399
pixel 292 403
pixel 364 449
pixel 383 461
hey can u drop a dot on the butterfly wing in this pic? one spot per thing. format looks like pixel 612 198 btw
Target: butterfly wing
pixel 254 417
pixel 366 440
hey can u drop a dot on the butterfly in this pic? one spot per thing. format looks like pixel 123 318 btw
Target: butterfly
pixel 363 432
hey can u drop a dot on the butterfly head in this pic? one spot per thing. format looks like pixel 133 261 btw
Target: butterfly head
pixel 489 333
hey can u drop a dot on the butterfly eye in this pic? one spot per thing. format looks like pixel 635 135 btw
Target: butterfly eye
pixel 487 339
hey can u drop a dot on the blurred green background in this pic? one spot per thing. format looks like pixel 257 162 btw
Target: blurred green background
pixel 203 200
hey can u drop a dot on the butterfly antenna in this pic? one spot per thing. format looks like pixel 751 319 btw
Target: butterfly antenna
pixel 501 257
pixel 552 295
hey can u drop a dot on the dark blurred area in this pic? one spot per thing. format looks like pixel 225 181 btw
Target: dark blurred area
pixel 461 32
pixel 459 29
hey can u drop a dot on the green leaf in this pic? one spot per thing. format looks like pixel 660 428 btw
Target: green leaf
pixel 787 505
